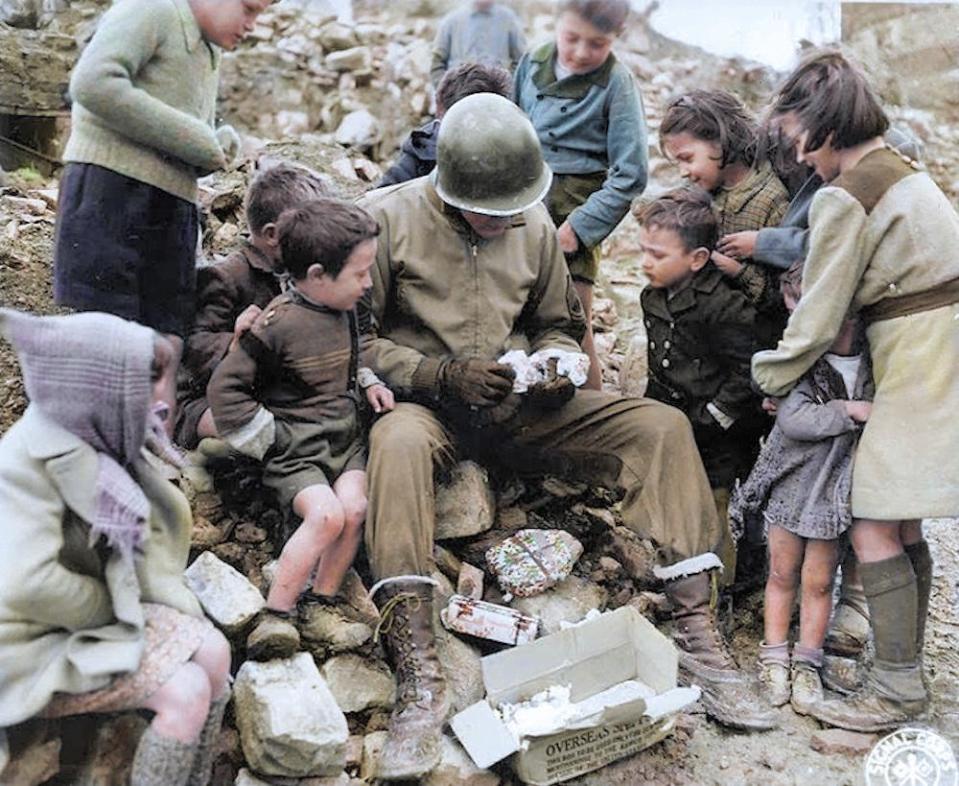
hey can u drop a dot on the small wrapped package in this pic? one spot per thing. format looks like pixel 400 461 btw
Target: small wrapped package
pixel 533 560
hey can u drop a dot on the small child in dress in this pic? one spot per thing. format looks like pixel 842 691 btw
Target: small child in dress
pixel 288 394
pixel 144 100
pixel 588 115
pixel 800 488
pixel 715 143
pixel 418 153
pixel 701 339
pixel 232 293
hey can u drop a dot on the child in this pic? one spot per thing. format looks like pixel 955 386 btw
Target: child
pixel 700 338
pixel 418 153
pixel 144 98
pixel 589 118
pixel 287 394
pixel 714 141
pixel 482 31
pixel 882 240
pixel 94 614
pixel 232 293
pixel 799 489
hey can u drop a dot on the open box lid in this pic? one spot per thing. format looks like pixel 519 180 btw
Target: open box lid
pixel 591 657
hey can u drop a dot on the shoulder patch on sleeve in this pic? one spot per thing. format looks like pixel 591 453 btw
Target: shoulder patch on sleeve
pixel 872 177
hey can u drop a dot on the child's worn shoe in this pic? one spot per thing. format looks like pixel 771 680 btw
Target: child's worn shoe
pixel 774 679
pixel 806 687
pixel 273 636
pixel 842 675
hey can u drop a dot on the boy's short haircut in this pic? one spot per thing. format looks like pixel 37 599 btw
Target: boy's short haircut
pixel 278 187
pixel 469 78
pixel 830 95
pixel 714 116
pixel 688 212
pixel 322 231
pixel 790 282
pixel 607 16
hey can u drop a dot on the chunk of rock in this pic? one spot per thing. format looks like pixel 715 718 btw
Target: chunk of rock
pixel 356 59
pixel 465 505
pixel 289 722
pixel 850 743
pixel 457 769
pixel 247 778
pixel 464 671
pixel 568 601
pixel 33 766
pixel 358 684
pixel 335 37
pixel 372 745
pixel 225 594
pixel 358 129
pixel 332 631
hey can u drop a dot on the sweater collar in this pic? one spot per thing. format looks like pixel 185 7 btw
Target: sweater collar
pixel 575 86
pixel 192 35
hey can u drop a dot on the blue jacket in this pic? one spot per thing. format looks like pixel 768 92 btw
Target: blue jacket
pixel 417 156
pixel 588 123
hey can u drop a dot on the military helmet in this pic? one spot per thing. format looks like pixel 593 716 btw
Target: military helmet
pixel 488 158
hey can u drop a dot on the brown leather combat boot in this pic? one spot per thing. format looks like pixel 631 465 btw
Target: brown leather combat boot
pixel 729 695
pixel 414 739
pixel 893 693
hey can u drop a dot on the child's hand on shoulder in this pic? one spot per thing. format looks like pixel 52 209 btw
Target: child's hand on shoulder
pixel 859 410
pixel 738 245
pixel 729 266
pixel 568 241
pixel 381 398
pixel 244 322
pixel 770 404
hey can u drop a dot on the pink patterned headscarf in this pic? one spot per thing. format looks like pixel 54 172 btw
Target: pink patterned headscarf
pixel 91 374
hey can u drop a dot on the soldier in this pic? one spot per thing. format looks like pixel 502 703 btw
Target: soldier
pixel 467 267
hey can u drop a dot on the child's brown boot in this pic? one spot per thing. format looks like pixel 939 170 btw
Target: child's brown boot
pixel 806 682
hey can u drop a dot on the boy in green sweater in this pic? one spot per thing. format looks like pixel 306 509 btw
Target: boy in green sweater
pixel 144 101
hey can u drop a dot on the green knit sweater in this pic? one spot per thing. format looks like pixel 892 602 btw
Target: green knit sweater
pixel 144 97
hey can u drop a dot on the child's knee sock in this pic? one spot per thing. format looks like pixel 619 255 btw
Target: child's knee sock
pixel 161 761
pixel 203 762
pixel 778 653
pixel 811 655
pixel 921 560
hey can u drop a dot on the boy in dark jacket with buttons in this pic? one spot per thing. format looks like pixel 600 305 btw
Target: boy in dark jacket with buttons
pixel 701 337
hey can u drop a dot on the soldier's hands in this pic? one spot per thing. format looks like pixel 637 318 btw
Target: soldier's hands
pixel 477 383
pixel 552 392
pixel 738 245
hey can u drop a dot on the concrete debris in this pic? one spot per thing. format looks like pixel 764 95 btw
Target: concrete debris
pixel 465 504
pixel 225 594
pixel 358 684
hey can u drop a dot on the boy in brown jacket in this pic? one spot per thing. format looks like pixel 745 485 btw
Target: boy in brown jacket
pixel 232 293
pixel 288 395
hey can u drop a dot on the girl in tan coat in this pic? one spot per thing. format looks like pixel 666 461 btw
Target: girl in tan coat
pixel 94 615
pixel 883 242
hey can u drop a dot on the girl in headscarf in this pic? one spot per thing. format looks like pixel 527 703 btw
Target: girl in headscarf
pixel 94 614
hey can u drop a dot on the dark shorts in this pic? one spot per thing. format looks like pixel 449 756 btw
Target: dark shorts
pixel 126 248
pixel 312 454
pixel 567 193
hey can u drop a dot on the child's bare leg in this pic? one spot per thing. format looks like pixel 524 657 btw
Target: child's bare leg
pixel 876 540
pixel 785 561
pixel 181 704
pixel 594 379
pixel 350 489
pixel 168 394
pixel 322 524
pixel 818 576
pixel 214 657
pixel 206 426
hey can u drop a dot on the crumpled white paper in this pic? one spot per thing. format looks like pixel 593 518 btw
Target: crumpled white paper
pixel 531 369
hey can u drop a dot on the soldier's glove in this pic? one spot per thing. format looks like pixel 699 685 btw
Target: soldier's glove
pixel 475 382
pixel 554 391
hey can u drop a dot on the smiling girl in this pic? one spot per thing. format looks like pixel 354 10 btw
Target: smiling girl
pixel 588 115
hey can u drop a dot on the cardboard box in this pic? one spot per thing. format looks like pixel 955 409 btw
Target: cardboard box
pixel 590 658
pixel 489 621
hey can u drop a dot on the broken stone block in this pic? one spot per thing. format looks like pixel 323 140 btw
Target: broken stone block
pixel 358 684
pixel 568 601
pixel 465 504
pixel 335 37
pixel 111 756
pixel 463 667
pixel 457 769
pixel 225 594
pixel 470 581
pixel 372 745
pixel 356 59
pixel 289 722
pixel 850 743
pixel 247 778
pixel 631 552
pixel 331 631
pixel 358 129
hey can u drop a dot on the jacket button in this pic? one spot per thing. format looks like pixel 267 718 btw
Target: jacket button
pixel 672 325
pixel 652 345
pixel 648 323
pixel 667 344
pixel 665 362
pixel 562 109
pixel 676 396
